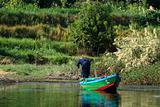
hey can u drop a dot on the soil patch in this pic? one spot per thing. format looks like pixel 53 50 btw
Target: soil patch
pixel 6 73
pixel 4 79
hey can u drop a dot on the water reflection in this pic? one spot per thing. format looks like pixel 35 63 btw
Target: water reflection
pixel 99 99
pixel 39 95
pixel 140 98
pixel 70 95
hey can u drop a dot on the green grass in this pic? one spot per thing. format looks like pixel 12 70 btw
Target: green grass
pixel 33 16
pixel 31 72
pixel 50 51
pixel 31 9
pixel 145 75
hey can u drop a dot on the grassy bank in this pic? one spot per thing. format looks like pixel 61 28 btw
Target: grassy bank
pixel 34 43
pixel 144 75
pixel 30 72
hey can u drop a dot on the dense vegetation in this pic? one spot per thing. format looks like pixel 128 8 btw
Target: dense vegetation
pixel 93 30
pixel 124 34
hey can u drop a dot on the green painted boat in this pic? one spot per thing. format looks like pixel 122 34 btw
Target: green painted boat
pixel 106 83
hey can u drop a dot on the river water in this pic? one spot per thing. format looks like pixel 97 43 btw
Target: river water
pixel 70 95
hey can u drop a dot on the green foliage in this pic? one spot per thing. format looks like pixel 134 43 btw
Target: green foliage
pixel 144 75
pixel 14 3
pixel 31 15
pixel 3 1
pixel 153 17
pixel 93 29
pixel 134 14
pixel 59 59
pixel 34 71
pixel 109 60
pixel 36 51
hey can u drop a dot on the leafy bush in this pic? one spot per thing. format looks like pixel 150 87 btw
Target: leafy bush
pixel 144 75
pixel 3 1
pixel 140 48
pixel 109 60
pixel 153 17
pixel 14 3
pixel 93 29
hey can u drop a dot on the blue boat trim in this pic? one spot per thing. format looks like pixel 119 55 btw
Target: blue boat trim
pixel 98 79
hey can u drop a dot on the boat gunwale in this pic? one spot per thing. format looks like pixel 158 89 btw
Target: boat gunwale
pixel 98 80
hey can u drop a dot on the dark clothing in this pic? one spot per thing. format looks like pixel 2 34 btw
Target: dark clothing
pixel 85 63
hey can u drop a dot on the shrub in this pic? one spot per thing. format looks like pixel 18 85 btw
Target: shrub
pixel 109 60
pixel 140 48
pixel 3 1
pixel 153 17
pixel 144 75
pixel 14 3
pixel 93 29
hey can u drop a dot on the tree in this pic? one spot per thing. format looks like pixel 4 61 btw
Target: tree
pixel 93 29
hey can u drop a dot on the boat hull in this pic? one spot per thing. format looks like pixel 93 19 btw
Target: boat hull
pixel 107 83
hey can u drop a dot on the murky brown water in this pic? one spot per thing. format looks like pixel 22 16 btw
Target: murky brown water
pixel 70 95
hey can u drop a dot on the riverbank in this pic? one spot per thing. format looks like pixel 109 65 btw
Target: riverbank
pixel 42 44
pixel 55 73
pixel 37 73
pixel 10 78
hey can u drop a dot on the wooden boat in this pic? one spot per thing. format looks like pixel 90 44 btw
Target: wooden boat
pixel 106 83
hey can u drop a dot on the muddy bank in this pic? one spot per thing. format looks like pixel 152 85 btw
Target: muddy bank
pixel 6 77
pixel 63 76
pixel 5 80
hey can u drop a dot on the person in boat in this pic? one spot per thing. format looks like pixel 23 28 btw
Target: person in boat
pixel 85 65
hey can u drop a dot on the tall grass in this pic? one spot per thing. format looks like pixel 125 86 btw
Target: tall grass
pixel 134 13
pixel 32 72
pixel 32 9
pixel 144 75
pixel 32 15
pixel 45 50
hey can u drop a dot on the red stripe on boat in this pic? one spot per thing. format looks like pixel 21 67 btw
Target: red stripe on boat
pixel 104 87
